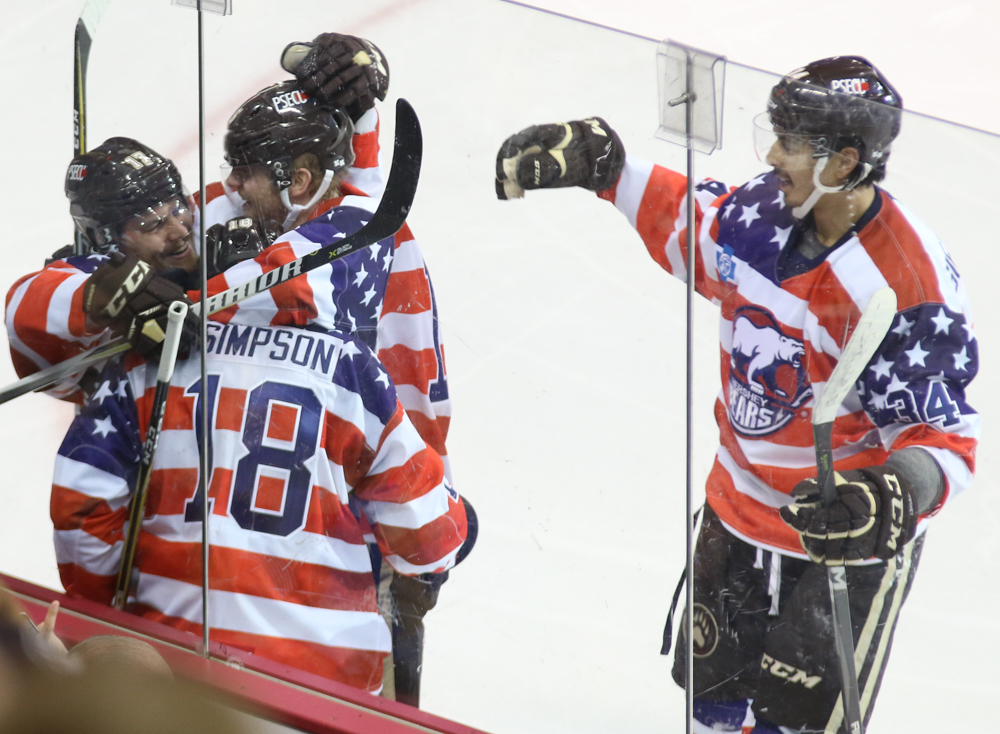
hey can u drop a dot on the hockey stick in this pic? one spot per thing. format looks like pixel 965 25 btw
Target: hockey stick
pixel 860 349
pixel 86 28
pixel 137 507
pixel 55 373
pixel 388 218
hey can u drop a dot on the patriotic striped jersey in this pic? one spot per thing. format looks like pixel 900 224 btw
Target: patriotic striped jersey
pixel 383 294
pixel 780 339
pixel 307 440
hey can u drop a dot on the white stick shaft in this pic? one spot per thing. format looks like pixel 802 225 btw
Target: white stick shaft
pixel 168 357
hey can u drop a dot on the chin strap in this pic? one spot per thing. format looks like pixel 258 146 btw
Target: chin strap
pixel 234 196
pixel 819 189
pixel 295 209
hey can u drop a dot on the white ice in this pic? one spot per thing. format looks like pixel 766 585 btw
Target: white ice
pixel 564 340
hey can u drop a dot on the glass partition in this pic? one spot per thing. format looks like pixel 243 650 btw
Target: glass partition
pixel 564 343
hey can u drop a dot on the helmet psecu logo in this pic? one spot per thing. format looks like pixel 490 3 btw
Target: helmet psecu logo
pixel 289 100
pixel 76 172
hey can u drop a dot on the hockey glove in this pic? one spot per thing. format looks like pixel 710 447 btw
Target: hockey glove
pixel 237 240
pixel 585 153
pixel 874 514
pixel 124 295
pixel 344 71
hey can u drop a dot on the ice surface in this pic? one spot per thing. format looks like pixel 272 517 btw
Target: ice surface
pixel 564 340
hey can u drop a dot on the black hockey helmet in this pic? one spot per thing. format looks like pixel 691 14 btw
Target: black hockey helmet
pixel 282 122
pixel 118 180
pixel 840 102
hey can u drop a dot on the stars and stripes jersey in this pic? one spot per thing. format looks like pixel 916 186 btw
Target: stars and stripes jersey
pixel 308 439
pixel 783 323
pixel 384 294
pixel 51 326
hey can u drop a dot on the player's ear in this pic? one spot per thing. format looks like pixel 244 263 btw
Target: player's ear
pixel 302 181
pixel 846 161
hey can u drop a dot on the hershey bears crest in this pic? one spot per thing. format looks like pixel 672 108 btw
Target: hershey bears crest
pixel 767 380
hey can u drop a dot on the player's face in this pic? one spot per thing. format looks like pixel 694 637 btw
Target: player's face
pixel 259 193
pixel 793 163
pixel 163 236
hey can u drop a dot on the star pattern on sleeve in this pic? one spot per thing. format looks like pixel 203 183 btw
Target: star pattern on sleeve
pixel 781 235
pixel 350 350
pixel 917 355
pixel 750 214
pixel 360 275
pixel 962 359
pixel 882 367
pixel 104 391
pixel 359 280
pixel 941 322
pixel 104 427
pixel 877 400
pixel 896 384
pixel 904 327
pixel 927 363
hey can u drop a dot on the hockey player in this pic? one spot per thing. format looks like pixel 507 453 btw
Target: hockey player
pixel 383 295
pixel 124 197
pixel 307 434
pixel 792 258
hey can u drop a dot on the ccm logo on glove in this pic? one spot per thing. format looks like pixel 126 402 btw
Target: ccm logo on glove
pixel 873 516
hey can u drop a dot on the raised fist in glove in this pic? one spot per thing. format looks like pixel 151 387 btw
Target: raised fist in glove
pixel 585 153
pixel 124 295
pixel 874 514
pixel 343 71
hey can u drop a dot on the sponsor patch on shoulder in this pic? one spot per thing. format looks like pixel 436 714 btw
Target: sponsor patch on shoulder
pixel 726 264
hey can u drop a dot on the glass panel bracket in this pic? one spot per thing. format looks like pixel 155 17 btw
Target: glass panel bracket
pixel 219 7
pixel 690 79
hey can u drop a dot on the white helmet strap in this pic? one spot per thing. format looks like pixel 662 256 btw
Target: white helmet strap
pixel 295 209
pixel 820 188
